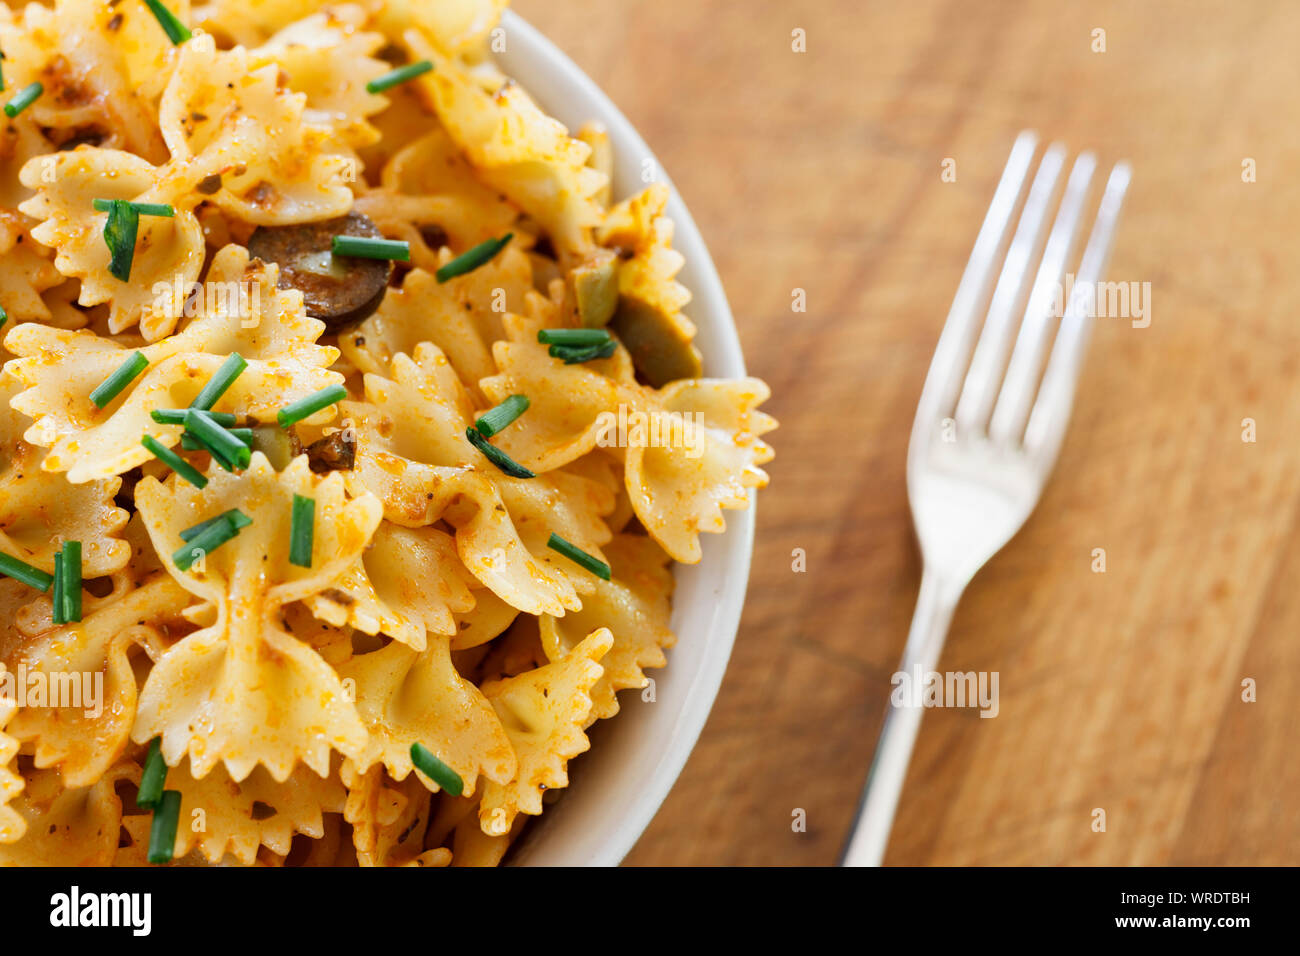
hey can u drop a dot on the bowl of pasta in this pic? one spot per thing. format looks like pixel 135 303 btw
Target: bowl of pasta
pixel 364 478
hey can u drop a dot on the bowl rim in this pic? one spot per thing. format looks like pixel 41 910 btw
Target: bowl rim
pixel 564 835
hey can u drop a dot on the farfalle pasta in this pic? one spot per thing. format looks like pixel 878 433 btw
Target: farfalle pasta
pixel 347 436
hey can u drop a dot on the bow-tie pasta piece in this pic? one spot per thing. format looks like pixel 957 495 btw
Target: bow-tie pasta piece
pixel 38 515
pixel 488 619
pixel 25 271
pixel 430 196
pixel 329 58
pixel 220 115
pixel 409 583
pixel 244 691
pixel 679 491
pixel 544 712
pixel 635 606
pixel 470 846
pixel 169 250
pixel 84 736
pixel 241 816
pixel 516 148
pixel 405 697
pixel 12 825
pixel 455 316
pixel 567 505
pixel 389 822
pixel 68 826
pixel 265 325
pixel 421 473
pixel 99 66
pixel 569 405
pixel 649 320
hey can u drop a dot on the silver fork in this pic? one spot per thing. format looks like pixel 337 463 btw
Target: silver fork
pixel 987 430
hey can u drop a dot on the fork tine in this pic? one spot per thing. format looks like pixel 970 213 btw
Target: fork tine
pixel 1051 411
pixel 985 374
pixel 1021 382
pixel 950 355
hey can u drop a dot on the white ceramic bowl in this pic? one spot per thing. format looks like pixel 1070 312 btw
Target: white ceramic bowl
pixel 635 758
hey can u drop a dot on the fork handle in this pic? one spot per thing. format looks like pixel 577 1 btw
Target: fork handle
pixel 934 607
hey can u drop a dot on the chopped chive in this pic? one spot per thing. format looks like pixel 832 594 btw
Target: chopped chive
pixel 153 778
pixel 206 541
pixel 302 531
pixel 11 567
pixel 190 443
pixel 154 209
pixel 56 598
pixel 176 31
pixel 573 355
pixel 428 764
pixel 4 316
pixel 111 387
pixel 471 260
pixel 162 835
pixel 578 556
pixel 176 416
pixel 23 99
pixel 120 230
pixel 236 517
pixel 230 370
pixel 493 420
pixel 369 247
pixel 306 407
pixel 174 461
pixel 141 208
pixel 71 582
pixel 574 338
pixel 218 440
pixel 495 455
pixel 399 75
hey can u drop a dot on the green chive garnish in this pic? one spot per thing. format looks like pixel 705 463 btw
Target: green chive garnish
pixel 230 370
pixel 111 387
pixel 153 778
pixel 574 338
pixel 206 541
pixel 495 455
pixel 471 260
pixel 578 556
pixel 23 99
pixel 492 421
pixel 218 440
pixel 166 817
pixel 11 567
pixel 399 75
pixel 174 461
pixel 306 407
pixel 436 770
pixel 56 599
pixel 234 516
pixel 176 416
pixel 190 443
pixel 120 230
pixel 368 247
pixel 4 316
pixel 302 530
pixel 71 582
pixel 574 355
pixel 141 208
pixel 176 31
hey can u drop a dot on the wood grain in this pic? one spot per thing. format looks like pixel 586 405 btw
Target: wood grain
pixel 1121 690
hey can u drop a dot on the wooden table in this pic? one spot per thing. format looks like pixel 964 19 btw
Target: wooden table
pixel 1120 690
